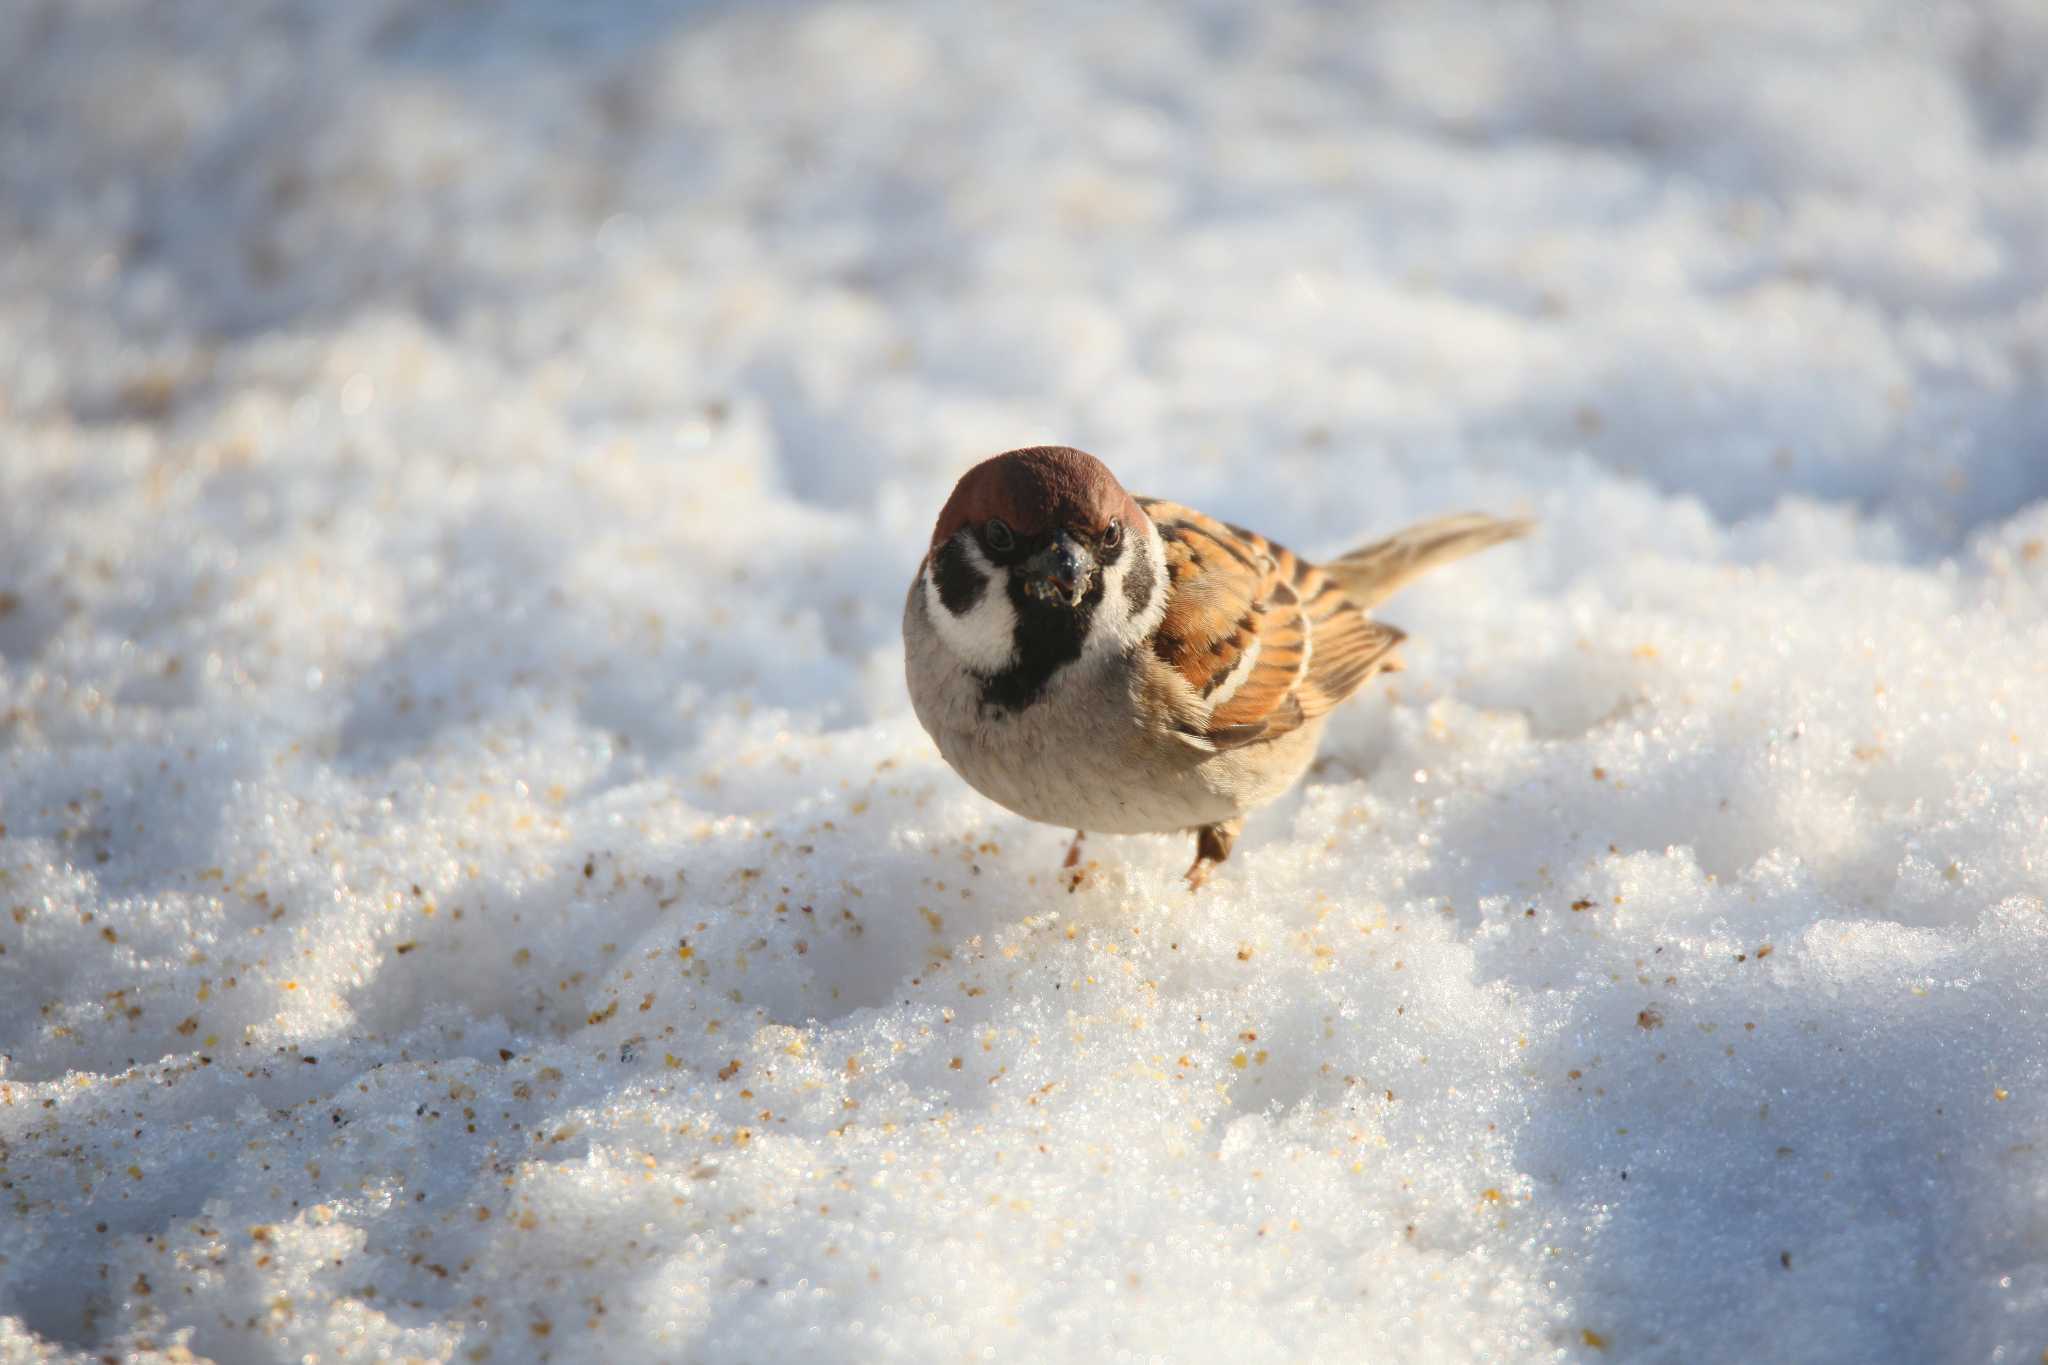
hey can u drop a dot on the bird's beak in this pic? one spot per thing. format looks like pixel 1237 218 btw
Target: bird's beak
pixel 1060 572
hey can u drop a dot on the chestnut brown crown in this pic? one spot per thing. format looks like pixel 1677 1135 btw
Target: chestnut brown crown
pixel 1036 490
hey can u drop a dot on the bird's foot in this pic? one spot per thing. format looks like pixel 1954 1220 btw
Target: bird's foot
pixel 1212 846
pixel 1072 872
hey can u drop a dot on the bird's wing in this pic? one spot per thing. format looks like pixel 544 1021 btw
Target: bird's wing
pixel 1256 641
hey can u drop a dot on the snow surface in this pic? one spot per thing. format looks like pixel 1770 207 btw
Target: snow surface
pixel 472 887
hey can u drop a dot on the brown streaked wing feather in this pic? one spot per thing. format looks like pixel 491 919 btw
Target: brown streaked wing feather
pixel 1350 648
pixel 1216 596
pixel 1233 619
pixel 1231 587
pixel 1285 646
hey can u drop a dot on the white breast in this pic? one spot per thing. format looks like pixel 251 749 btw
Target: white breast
pixel 1082 756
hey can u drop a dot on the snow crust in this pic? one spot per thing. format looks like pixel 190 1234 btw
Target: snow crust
pixel 471 886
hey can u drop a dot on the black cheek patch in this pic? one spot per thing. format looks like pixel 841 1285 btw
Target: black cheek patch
pixel 960 583
pixel 1139 581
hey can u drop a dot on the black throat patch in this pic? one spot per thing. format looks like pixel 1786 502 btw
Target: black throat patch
pixel 1049 637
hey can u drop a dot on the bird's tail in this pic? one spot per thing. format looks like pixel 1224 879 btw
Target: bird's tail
pixel 1375 572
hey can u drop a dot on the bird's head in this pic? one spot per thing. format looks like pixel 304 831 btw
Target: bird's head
pixel 1038 556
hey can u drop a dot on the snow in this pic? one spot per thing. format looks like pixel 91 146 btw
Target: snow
pixel 473 887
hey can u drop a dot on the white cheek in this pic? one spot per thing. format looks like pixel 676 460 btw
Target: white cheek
pixel 985 637
pixel 1116 626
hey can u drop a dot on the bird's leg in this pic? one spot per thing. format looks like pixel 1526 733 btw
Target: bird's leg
pixel 1212 846
pixel 1075 873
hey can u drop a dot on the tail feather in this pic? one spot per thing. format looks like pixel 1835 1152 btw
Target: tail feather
pixel 1375 572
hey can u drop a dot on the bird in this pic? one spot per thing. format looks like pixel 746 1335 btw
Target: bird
pixel 1116 664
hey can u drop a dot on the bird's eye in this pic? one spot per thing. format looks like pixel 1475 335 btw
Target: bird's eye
pixel 998 535
pixel 1113 536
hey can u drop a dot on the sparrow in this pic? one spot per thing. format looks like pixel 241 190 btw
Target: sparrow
pixel 1127 665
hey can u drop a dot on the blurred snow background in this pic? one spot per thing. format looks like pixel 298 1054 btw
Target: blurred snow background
pixel 471 886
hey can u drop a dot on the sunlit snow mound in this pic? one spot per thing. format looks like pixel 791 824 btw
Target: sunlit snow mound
pixel 471 886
